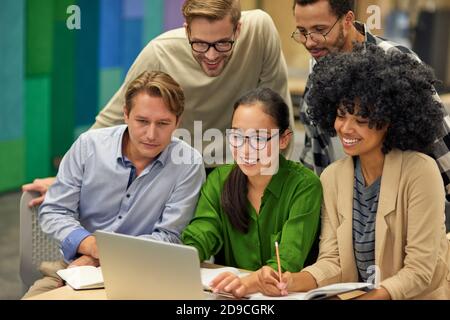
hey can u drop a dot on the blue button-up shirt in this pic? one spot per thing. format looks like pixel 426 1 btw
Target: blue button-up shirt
pixel 95 190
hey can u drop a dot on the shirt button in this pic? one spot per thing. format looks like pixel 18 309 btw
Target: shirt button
pixel 128 195
pixel 120 217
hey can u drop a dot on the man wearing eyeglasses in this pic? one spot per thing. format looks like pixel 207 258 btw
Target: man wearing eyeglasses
pixel 220 54
pixel 325 26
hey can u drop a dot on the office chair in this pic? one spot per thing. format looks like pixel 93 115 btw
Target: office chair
pixel 35 245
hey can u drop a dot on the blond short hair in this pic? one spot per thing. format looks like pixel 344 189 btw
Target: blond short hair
pixel 157 84
pixel 212 10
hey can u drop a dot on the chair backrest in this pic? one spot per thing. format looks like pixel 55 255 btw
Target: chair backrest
pixel 35 245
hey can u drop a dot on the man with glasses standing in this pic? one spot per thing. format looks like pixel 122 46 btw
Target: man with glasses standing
pixel 325 26
pixel 219 54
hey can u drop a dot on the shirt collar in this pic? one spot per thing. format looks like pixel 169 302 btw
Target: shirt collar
pixel 362 28
pixel 120 157
pixel 275 185
pixel 162 158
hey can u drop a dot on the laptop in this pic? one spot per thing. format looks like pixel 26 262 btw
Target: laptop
pixel 137 268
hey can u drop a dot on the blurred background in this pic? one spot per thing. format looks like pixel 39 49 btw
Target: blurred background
pixel 53 81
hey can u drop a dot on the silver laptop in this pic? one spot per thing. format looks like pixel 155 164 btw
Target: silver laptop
pixel 136 268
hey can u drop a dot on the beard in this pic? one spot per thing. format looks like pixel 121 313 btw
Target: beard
pixel 339 44
pixel 320 50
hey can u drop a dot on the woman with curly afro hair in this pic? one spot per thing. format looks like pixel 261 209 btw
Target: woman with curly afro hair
pixel 383 206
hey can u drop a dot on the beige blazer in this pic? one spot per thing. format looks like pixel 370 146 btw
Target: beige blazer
pixel 411 248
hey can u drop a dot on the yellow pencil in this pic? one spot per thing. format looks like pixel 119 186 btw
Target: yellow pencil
pixel 277 252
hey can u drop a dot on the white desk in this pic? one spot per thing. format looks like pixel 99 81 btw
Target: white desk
pixel 67 293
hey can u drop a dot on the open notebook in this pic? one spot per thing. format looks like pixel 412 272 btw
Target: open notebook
pixel 88 277
pixel 84 277
pixel 320 293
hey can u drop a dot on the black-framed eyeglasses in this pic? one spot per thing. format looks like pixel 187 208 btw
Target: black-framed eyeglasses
pixel 219 46
pixel 315 36
pixel 257 142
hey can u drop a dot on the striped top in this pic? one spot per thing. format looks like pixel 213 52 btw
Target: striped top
pixel 365 205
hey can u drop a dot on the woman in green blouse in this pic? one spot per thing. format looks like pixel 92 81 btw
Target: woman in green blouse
pixel 245 207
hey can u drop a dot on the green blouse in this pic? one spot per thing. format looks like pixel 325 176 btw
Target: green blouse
pixel 289 214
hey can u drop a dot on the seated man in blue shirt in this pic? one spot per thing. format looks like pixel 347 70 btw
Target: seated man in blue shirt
pixel 127 179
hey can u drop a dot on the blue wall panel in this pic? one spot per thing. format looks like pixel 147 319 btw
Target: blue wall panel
pixel 12 14
pixel 133 9
pixel 132 44
pixel 110 33
pixel 173 18
pixel 86 64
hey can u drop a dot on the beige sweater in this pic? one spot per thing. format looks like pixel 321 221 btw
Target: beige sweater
pixel 411 248
pixel 257 61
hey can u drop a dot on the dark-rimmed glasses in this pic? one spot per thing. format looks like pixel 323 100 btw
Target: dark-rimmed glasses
pixel 257 142
pixel 219 46
pixel 318 37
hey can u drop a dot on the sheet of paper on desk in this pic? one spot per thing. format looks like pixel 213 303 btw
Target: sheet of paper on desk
pixel 209 274
pixel 319 293
pixel 83 277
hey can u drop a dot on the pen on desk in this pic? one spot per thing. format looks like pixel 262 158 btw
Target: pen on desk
pixel 277 252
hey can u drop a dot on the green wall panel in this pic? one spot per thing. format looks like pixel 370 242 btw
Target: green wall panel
pixel 153 20
pixel 11 164
pixel 61 9
pixel 63 90
pixel 37 127
pixel 39 39
pixel 110 81
pixel 80 129
pixel 11 69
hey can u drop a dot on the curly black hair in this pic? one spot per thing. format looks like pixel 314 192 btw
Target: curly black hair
pixel 339 7
pixel 393 89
